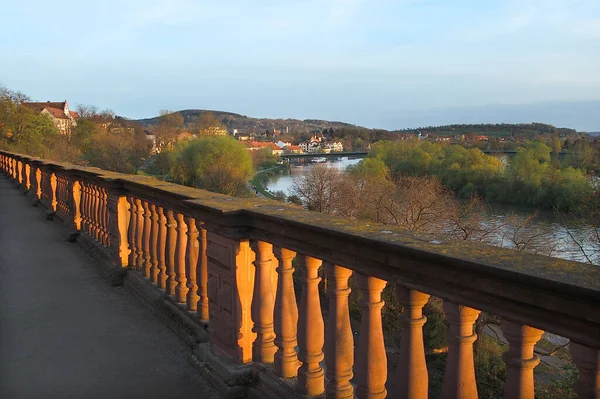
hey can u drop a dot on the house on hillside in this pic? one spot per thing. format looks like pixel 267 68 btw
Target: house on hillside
pixel 63 118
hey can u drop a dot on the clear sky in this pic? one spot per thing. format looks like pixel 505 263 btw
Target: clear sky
pixel 378 63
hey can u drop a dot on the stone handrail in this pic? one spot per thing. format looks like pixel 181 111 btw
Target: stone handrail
pixel 228 264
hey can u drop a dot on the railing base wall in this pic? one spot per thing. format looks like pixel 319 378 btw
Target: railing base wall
pixel 229 378
pixel 192 332
pixel 111 272
pixel 268 385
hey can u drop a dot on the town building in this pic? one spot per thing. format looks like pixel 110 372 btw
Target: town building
pixel 63 118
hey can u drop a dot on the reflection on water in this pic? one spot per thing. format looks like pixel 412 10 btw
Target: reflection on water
pixel 544 232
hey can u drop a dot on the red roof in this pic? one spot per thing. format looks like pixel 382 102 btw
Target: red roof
pixel 57 113
pixel 56 109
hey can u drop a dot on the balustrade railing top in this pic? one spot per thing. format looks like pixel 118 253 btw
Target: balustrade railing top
pixel 229 260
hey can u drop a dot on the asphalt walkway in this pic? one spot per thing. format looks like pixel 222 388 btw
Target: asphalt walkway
pixel 65 333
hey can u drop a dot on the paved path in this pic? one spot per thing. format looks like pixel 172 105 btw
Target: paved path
pixel 65 333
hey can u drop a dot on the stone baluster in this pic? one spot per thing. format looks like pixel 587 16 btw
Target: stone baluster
pixel 75 203
pixel 411 370
pixel 105 227
pixel 520 359
pixel 371 369
pixel 27 176
pixel 139 234
pixel 202 274
pixel 147 264
pixel 38 184
pixel 286 316
pixel 90 209
pixel 19 174
pixel 263 302
pixel 53 200
pixel 311 335
pixel 99 214
pixel 587 360
pixel 132 232
pixel 181 289
pixel 193 251
pixel 154 243
pixel 117 221
pixel 162 244
pixel 170 252
pixel 83 205
pixel 94 211
pixel 459 376
pixel 339 340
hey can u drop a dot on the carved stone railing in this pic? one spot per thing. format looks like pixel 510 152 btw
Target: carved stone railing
pixel 227 264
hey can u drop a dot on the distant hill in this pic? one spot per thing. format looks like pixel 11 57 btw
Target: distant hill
pixel 495 130
pixel 248 125
pixel 245 124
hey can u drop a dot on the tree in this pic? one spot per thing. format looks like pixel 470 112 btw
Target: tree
pixel 214 163
pixel 207 124
pixel 556 148
pixel 321 189
pixel 87 111
pixel 167 129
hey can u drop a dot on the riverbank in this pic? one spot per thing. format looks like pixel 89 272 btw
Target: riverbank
pixel 257 184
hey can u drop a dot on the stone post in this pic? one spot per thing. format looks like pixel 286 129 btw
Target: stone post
pixel 230 286
pixel 371 369
pixel 587 360
pixel 311 334
pixel 459 376
pixel 339 340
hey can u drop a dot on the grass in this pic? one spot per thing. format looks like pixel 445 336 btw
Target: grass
pixel 259 178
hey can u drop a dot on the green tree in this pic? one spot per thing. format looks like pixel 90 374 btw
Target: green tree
pixel 214 163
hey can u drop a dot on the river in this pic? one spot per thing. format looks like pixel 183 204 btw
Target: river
pixel 547 233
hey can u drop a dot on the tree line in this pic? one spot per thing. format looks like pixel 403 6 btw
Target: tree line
pixel 99 138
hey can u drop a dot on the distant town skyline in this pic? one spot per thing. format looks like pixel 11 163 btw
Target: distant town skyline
pixel 381 64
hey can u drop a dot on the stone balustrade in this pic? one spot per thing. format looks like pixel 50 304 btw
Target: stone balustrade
pixel 228 265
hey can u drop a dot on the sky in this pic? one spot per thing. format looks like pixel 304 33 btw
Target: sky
pixel 377 63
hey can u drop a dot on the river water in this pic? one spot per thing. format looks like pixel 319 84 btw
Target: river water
pixel 545 232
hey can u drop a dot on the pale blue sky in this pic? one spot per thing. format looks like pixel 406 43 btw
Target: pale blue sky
pixel 390 64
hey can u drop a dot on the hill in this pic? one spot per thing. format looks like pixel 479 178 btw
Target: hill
pixel 246 124
pixel 529 130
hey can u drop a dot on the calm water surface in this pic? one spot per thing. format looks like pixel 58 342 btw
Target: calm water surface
pixel 548 233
